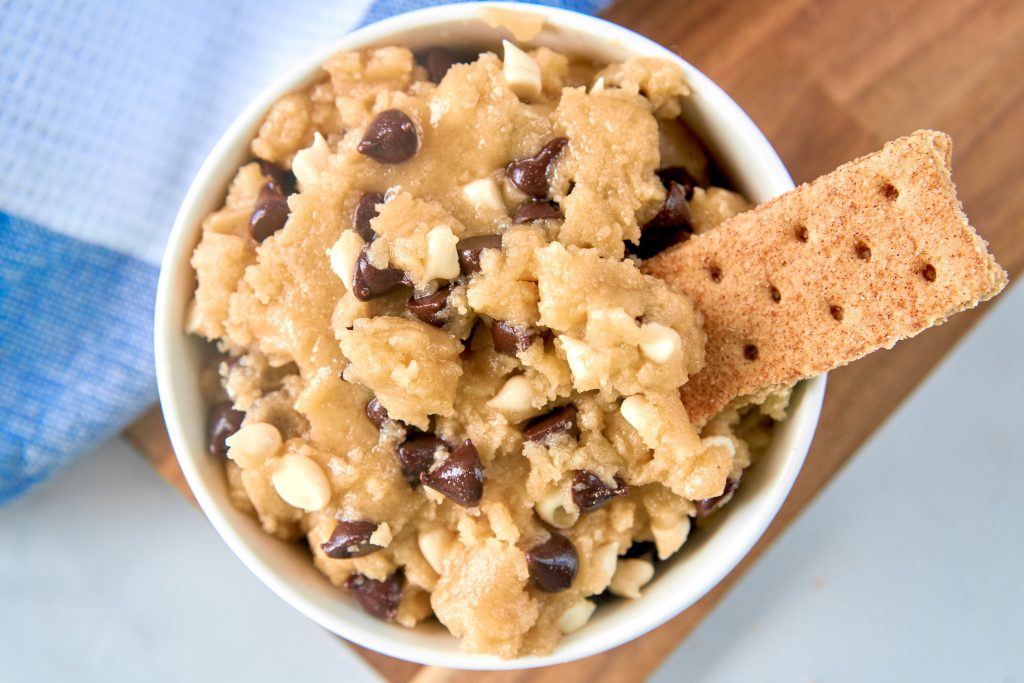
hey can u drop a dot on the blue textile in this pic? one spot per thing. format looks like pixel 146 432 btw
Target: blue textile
pixel 107 109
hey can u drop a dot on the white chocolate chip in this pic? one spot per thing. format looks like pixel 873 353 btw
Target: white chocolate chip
pixel 670 539
pixel 434 545
pixel 521 72
pixel 484 194
pixel 630 576
pixel 302 483
pixel 598 86
pixel 642 416
pixel 722 441
pixel 309 163
pixel 574 618
pixel 253 444
pixel 344 254
pixel 557 509
pixel 587 366
pixel 382 535
pixel 515 396
pixel 442 257
pixel 660 342
pixel 606 557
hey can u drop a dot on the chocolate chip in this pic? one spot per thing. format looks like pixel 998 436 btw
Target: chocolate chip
pixel 890 192
pixel 532 175
pixel 836 312
pixel 351 538
pixel 928 272
pixel 223 421
pixel 460 478
pixel 653 242
pixel 553 564
pixel 270 213
pixel 430 308
pixel 589 491
pixel 439 59
pixel 674 212
pixel 471 249
pixel 775 293
pixel 377 413
pixel 709 505
pixel 679 175
pixel 366 211
pixel 369 282
pixel 750 352
pixel 560 421
pixel 536 210
pixel 716 273
pixel 416 456
pixel 391 138
pixel 379 598
pixel 639 549
pixel 509 339
pixel 282 179
pixel 801 233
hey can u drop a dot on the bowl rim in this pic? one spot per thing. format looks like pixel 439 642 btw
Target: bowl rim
pixel 168 322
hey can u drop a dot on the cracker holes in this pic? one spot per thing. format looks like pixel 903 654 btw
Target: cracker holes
pixel 774 293
pixel 836 311
pixel 928 272
pixel 750 352
pixel 801 233
pixel 863 251
pixel 889 191
pixel 715 272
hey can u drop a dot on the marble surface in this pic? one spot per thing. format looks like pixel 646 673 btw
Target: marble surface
pixel 907 567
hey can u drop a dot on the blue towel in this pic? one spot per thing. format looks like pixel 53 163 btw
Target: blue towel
pixel 107 109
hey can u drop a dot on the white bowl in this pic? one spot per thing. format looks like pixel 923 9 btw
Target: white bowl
pixel 740 149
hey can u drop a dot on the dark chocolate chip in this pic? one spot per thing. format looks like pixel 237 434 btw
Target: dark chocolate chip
pixel 282 179
pixel 439 59
pixel 366 211
pixel 553 564
pixel 836 312
pixel 369 282
pixel 639 549
pixel 678 174
pixel 708 505
pixel 750 352
pixel 509 339
pixel 470 250
pixel 416 456
pixel 589 491
pixel 653 242
pixel 351 538
pixel 890 192
pixel 379 598
pixel 270 213
pixel 536 210
pixel 532 175
pixel 560 421
pixel 928 272
pixel 801 233
pixel 775 293
pixel 224 421
pixel 674 212
pixel 863 251
pixel 377 413
pixel 430 308
pixel 391 138
pixel 460 478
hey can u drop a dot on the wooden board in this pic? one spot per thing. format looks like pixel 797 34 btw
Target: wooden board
pixel 826 81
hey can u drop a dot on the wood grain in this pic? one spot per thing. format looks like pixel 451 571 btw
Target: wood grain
pixel 826 81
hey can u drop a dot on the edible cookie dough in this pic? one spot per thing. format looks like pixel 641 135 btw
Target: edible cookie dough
pixel 442 365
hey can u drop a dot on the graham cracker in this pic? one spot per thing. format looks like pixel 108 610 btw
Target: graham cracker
pixel 873 252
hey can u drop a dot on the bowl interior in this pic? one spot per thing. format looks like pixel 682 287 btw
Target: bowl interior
pixel 743 154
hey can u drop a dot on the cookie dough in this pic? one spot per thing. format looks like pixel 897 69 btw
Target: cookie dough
pixel 441 364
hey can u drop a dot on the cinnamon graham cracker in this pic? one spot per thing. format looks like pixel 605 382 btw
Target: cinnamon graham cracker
pixel 873 252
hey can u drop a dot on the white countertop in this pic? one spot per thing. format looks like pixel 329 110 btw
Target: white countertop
pixel 909 566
